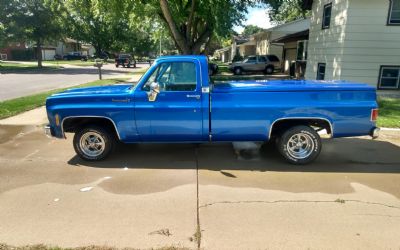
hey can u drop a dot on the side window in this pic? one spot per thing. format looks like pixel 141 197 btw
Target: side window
pixel 321 71
pixel 273 58
pixel 326 19
pixel 394 13
pixel 389 77
pixel 251 59
pixel 262 59
pixel 174 76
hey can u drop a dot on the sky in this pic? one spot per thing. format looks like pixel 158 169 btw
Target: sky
pixel 256 16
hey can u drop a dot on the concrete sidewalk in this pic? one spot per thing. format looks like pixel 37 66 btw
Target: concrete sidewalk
pixel 156 195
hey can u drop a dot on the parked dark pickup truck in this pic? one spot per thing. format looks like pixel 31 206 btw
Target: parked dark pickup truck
pixel 176 102
pixel 125 60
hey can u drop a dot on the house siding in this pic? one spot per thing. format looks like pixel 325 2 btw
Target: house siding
pixel 357 43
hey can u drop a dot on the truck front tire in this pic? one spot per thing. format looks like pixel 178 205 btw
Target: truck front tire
pixel 299 145
pixel 93 143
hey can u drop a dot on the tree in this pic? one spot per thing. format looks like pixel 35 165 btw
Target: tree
pixel 192 23
pixel 2 36
pixel 32 20
pixel 251 29
pixel 282 11
pixel 91 21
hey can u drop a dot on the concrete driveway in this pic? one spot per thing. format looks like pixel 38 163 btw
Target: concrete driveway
pixel 13 85
pixel 148 196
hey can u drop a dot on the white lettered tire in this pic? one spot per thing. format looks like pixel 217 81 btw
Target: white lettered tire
pixel 300 145
pixel 93 143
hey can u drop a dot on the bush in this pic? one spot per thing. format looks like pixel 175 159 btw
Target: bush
pixel 22 55
pixel 237 58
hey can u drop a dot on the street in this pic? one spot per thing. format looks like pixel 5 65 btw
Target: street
pixel 13 85
pixel 147 196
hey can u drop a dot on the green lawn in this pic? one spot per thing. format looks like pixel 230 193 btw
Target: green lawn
pixel 15 67
pixel 389 112
pixel 18 105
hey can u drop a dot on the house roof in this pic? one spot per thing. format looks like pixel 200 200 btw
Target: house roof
pixel 224 49
pixel 70 40
pixel 302 35
pixel 248 43
pixel 281 26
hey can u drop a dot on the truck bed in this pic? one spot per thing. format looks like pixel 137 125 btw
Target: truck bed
pixel 288 85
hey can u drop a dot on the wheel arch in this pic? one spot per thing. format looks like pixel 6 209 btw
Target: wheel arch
pixel 72 123
pixel 281 124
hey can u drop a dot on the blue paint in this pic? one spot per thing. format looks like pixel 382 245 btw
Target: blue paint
pixel 230 111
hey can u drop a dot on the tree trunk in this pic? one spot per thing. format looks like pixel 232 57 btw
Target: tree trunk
pixel 178 37
pixel 39 53
pixel 184 38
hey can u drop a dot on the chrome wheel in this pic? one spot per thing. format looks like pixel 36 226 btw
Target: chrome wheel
pixel 300 146
pixel 92 144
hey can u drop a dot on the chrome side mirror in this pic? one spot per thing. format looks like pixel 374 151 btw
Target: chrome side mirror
pixel 154 90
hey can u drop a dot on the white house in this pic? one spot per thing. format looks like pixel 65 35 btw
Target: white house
pixel 355 40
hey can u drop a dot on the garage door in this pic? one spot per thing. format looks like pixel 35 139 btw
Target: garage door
pixel 48 54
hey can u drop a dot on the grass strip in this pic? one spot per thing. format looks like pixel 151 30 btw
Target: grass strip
pixel 21 104
pixel 389 112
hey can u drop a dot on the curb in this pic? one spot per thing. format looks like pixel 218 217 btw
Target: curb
pixel 390 129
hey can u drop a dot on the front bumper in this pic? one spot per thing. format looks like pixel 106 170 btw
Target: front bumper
pixel 375 133
pixel 49 131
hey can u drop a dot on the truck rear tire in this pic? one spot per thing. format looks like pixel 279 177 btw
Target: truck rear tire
pixel 93 143
pixel 299 145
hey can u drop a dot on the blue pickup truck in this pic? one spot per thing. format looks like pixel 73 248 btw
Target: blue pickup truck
pixel 176 102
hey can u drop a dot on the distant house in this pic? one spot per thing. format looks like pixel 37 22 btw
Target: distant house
pixel 67 45
pixel 355 40
pixel 294 53
pixel 26 51
pixel 224 54
pixel 265 40
pixel 242 47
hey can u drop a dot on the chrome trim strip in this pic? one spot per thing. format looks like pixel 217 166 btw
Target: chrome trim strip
pixel 299 118
pixel 87 116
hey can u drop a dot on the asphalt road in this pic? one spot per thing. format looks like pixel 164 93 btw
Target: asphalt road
pixel 23 83
pixel 147 196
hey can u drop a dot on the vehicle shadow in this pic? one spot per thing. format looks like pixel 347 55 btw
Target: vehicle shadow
pixel 349 155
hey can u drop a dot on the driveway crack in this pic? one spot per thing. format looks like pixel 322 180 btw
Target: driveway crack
pixel 300 201
pixel 197 234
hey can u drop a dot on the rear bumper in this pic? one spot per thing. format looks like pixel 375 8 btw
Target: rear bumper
pixel 375 133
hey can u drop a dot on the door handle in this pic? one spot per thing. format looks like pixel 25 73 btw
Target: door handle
pixel 193 96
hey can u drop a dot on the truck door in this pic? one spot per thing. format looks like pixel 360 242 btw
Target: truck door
pixel 174 114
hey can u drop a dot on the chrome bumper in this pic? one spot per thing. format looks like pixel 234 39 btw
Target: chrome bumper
pixel 375 133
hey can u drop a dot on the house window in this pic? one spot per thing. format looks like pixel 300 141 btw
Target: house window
pixel 321 71
pixel 302 47
pixel 389 77
pixel 394 12
pixel 326 19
